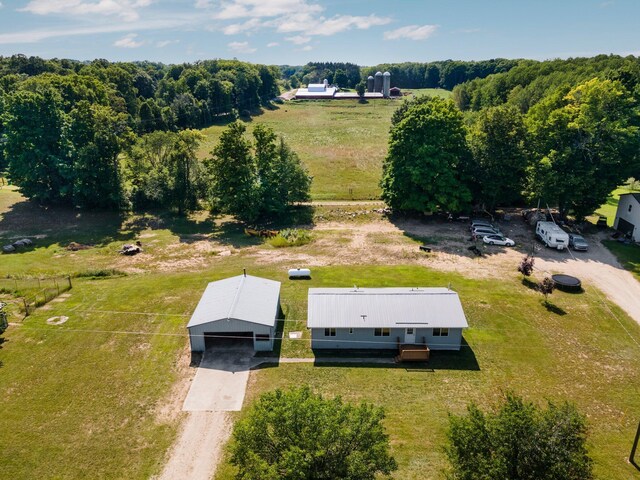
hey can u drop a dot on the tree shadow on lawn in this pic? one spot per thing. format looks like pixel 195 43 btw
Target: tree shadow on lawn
pixel 451 237
pixel 60 225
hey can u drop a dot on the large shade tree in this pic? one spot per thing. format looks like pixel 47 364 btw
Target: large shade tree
pixel 498 141
pixel 298 435
pixel 586 143
pixel 428 158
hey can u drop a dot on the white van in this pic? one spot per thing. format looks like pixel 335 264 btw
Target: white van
pixel 552 235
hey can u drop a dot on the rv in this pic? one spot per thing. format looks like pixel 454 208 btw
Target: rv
pixel 552 235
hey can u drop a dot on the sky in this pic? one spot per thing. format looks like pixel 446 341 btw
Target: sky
pixel 295 32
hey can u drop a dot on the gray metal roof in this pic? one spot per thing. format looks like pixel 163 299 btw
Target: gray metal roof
pixel 246 298
pixel 385 307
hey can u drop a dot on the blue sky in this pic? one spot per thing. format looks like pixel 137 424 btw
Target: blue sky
pixel 297 31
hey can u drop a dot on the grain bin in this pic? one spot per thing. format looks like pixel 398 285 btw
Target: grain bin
pixel 386 84
pixel 370 84
pixel 377 82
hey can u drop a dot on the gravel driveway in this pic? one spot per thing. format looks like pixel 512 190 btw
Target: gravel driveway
pixel 218 387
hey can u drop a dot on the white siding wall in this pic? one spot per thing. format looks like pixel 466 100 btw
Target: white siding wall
pixel 196 334
pixel 632 216
pixel 365 338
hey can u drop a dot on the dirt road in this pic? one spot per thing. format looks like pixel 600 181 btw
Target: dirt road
pixel 198 449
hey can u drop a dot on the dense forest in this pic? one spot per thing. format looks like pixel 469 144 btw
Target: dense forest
pixel 564 133
pixel 116 135
pixel 122 135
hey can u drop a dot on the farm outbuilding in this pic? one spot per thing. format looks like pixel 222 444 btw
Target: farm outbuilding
pixel 628 216
pixel 385 318
pixel 236 309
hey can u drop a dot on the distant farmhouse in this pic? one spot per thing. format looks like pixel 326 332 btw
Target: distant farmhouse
pixel 385 318
pixel 628 216
pixel 378 86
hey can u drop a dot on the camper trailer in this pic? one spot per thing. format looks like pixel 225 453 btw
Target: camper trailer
pixel 552 235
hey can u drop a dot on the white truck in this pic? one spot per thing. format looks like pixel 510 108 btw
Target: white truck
pixel 552 235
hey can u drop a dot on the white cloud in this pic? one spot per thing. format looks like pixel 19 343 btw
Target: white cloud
pixel 298 39
pixel 164 43
pixel 231 9
pixel 127 10
pixel 272 44
pixel 128 41
pixel 313 25
pixel 241 47
pixel 412 32
pixel 33 36
pixel 248 26
pixel 202 3
pixel 307 48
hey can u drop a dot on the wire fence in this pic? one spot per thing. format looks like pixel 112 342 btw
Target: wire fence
pixel 35 292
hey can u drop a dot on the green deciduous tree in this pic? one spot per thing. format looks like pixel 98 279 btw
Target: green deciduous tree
pixel 519 441
pixel 297 435
pixel 586 144
pixel 97 135
pixel 498 144
pixel 36 146
pixel 428 156
pixel 164 171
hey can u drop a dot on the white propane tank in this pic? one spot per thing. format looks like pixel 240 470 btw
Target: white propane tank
pixel 299 273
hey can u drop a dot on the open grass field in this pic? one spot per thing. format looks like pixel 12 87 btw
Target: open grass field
pixel 342 142
pixel 99 396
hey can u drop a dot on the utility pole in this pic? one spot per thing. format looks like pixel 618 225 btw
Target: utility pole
pixel 634 448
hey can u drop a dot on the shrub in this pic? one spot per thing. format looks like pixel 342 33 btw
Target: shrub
pixel 290 237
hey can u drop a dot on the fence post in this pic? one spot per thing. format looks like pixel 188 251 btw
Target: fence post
pixel 57 286
pixel 39 283
pixel 69 279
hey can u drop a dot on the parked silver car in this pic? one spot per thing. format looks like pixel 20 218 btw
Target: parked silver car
pixel 577 242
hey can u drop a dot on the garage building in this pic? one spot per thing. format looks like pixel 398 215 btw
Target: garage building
pixel 628 216
pixel 236 308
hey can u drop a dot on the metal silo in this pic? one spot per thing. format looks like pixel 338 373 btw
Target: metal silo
pixel 386 84
pixel 369 84
pixel 377 82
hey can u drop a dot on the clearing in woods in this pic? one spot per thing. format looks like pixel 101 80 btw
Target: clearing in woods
pixel 342 142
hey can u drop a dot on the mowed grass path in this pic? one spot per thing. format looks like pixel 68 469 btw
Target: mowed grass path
pixel 342 142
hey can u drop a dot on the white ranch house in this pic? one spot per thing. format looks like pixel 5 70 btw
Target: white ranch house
pixel 383 318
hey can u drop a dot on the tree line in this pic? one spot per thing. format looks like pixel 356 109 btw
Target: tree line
pixel 120 135
pixel 570 150
pixel 442 74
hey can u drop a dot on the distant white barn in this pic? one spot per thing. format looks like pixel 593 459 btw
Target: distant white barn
pixel 242 307
pixel 316 91
pixel 628 216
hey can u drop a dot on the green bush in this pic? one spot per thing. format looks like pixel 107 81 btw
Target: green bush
pixel 99 273
pixel 290 237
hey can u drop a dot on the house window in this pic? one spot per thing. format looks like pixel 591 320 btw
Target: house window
pixel 350 330
pixel 440 332
pixel 381 332
pixel 409 331
pixel 262 337
pixel 329 332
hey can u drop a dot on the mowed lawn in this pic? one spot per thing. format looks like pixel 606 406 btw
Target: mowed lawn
pixel 92 398
pixel 342 142
pixel 578 353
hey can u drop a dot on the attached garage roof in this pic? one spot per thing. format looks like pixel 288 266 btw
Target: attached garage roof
pixel 246 298
pixel 421 307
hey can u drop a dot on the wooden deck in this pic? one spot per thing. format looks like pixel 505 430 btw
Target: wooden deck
pixel 412 353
